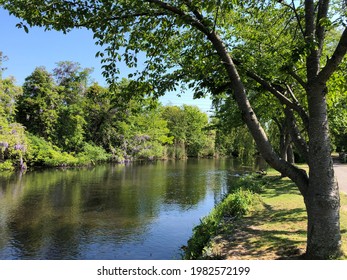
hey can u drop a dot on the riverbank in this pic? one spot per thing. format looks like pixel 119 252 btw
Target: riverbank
pixel 274 228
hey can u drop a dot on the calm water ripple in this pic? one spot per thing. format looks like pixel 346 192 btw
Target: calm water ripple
pixel 138 211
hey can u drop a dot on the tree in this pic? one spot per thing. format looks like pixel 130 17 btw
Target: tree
pixel 192 41
pixel 177 127
pixel 39 104
pixel 72 81
pixel 99 114
pixel 188 127
pixel 337 105
pixel 12 138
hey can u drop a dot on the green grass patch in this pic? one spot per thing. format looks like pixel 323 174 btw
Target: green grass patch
pixel 235 205
pixel 343 222
pixel 272 228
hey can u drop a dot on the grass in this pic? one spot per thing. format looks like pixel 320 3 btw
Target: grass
pixel 232 207
pixel 274 229
pixel 343 221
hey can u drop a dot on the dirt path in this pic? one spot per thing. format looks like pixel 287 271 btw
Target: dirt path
pixel 341 175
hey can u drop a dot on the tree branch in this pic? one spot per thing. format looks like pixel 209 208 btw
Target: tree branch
pixel 293 8
pixel 335 60
pixel 295 134
pixel 323 7
pixel 309 21
pixel 125 16
pixel 297 78
pixel 195 22
pixel 281 97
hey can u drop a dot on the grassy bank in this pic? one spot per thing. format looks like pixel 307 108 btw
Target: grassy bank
pixel 273 226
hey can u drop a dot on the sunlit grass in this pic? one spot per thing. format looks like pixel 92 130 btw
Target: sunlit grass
pixel 343 221
pixel 277 227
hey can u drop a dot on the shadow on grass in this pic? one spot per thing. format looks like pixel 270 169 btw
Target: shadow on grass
pixel 277 230
pixel 270 234
pixel 279 186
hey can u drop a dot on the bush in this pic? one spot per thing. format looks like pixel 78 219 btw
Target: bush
pixel 6 166
pixel 92 154
pixel 42 153
pixel 235 205
pixel 250 182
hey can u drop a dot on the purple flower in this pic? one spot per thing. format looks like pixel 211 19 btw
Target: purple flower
pixel 4 145
pixel 18 147
pixel 142 138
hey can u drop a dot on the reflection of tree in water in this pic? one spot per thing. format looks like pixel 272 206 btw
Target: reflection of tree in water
pixel 60 209
pixel 66 214
pixel 185 184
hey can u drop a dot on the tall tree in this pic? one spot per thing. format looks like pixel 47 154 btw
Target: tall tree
pixel 72 81
pixel 188 128
pixel 39 104
pixel 193 41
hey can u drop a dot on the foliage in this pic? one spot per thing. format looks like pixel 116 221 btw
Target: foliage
pixel 13 143
pixel 92 154
pixel 72 82
pixel 38 106
pixel 43 153
pixel 234 206
pixel 189 128
pixel 8 93
pixel 338 108
pixel 6 166
pixel 143 133
pixel 73 123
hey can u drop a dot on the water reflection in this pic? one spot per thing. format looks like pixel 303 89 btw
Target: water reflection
pixel 139 211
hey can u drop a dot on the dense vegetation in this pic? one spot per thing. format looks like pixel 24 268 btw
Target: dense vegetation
pixel 61 119
pixel 58 119
pixel 276 60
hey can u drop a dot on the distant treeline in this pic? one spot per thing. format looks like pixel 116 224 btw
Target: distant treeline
pixel 60 119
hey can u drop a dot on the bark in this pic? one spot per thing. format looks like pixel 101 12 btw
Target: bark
pixel 322 198
pixel 290 154
pixel 297 138
pixel 286 150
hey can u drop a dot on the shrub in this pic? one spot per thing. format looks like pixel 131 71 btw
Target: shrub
pixel 92 154
pixel 42 153
pixel 235 205
pixel 6 166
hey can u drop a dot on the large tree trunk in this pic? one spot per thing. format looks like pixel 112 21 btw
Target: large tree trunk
pixel 322 198
pixel 320 191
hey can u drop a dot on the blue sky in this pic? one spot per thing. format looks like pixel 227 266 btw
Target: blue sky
pixel 46 48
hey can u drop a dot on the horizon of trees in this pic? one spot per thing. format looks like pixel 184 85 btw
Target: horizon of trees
pixel 63 113
pixel 60 119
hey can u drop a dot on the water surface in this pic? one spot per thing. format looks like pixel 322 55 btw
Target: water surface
pixel 137 211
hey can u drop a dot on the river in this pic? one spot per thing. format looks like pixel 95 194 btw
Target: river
pixel 118 212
